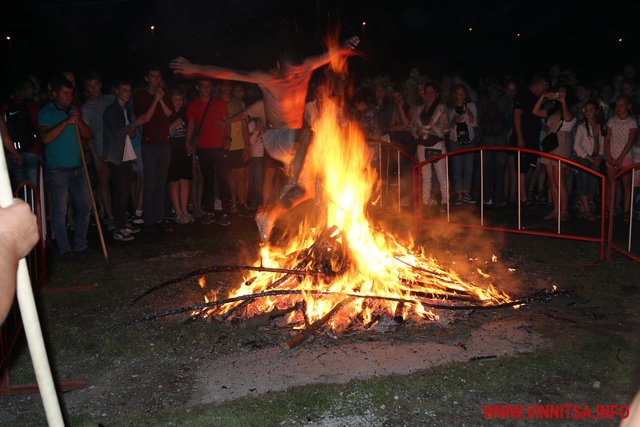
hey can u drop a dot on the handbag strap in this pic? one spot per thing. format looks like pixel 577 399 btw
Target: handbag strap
pixel 199 128
pixel 560 125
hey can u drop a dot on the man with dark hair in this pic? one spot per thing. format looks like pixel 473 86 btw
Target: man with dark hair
pixel 59 126
pixel 119 127
pixel 156 150
pixel 92 113
pixel 284 91
pixel 19 123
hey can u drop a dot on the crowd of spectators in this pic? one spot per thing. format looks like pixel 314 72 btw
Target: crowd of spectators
pixel 167 154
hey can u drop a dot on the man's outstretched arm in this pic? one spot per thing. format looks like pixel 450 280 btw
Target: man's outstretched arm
pixel 346 48
pixel 185 67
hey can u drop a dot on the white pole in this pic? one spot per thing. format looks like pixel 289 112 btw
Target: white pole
pixel 380 173
pixel 518 173
pixel 559 193
pixel 633 183
pixel 446 165
pixel 481 187
pixel 30 320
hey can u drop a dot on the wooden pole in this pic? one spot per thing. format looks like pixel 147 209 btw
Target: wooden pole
pixel 30 320
pixel 93 200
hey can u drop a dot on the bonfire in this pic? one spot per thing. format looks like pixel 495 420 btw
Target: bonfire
pixel 339 272
pixel 351 275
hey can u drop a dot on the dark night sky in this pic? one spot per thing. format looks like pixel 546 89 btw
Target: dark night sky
pixel 113 36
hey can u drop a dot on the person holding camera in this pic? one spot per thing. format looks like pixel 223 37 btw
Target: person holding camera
pixel 559 121
pixel 462 121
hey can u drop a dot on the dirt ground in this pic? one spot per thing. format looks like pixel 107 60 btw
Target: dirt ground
pixel 134 373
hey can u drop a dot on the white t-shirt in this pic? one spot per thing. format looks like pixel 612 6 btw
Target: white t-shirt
pixel 620 134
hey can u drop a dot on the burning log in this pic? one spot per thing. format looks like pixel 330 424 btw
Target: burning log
pixel 304 262
pixel 543 295
pixel 267 318
pixel 315 326
pixel 220 269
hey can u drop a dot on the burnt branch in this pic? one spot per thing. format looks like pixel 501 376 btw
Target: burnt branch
pixel 315 326
pixel 541 296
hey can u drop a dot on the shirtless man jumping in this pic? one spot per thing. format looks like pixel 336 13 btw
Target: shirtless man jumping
pixel 284 90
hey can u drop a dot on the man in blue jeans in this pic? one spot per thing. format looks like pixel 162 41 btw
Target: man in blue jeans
pixel 57 123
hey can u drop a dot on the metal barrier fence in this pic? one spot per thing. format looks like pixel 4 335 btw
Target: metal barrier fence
pixel 387 150
pixel 11 330
pixel 419 219
pixel 633 169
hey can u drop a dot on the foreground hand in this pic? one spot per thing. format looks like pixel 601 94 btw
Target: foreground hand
pixel 182 66
pixel 18 230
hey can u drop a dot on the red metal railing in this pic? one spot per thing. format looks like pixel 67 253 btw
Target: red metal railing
pixel 12 328
pixel 384 168
pixel 419 219
pixel 612 193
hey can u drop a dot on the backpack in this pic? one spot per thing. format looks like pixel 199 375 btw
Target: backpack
pixel 492 120
pixel 20 126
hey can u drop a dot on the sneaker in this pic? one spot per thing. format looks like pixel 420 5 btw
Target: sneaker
pixel 223 220
pixel 84 253
pixel 265 226
pixel 184 218
pixel 69 256
pixel 131 229
pixel 181 219
pixel 137 218
pixel 488 202
pixel 189 217
pixel 122 235
pixel 208 219
pixel 290 193
pixel 466 198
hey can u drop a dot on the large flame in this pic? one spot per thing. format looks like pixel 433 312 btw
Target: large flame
pixel 360 261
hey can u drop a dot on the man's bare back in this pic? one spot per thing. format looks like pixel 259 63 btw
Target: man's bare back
pixel 284 88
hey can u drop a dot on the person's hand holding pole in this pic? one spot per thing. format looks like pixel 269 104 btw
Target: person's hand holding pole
pixel 30 319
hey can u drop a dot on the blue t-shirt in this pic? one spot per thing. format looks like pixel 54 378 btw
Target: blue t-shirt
pixel 64 151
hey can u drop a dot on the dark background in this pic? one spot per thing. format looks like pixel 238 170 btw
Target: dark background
pixel 114 36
